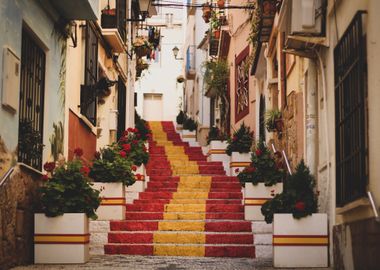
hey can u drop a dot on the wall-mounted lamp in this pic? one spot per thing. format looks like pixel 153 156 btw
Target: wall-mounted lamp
pixel 144 11
pixel 175 53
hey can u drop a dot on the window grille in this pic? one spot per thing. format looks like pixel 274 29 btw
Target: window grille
pixel 350 118
pixel 242 85
pixel 32 93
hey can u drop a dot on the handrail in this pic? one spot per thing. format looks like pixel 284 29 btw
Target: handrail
pixel 6 175
pixel 287 162
pixel 374 209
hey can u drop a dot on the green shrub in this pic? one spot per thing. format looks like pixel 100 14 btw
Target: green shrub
pixel 190 124
pixel 215 134
pixel 298 197
pixel 181 117
pixel 241 140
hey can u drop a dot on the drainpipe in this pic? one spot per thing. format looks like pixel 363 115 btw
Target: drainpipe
pixel 311 129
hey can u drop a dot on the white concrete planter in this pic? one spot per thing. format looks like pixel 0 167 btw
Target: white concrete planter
pixel 112 206
pixel 179 127
pixel 239 161
pixel 205 149
pixel 300 242
pixel 62 239
pixel 132 192
pixel 188 136
pixel 217 152
pixel 255 196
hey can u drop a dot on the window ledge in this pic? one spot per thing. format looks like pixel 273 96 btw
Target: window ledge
pixel 363 202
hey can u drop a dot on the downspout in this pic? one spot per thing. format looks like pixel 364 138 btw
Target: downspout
pixel 311 130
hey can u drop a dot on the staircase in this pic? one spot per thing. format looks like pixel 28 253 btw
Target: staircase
pixel 190 208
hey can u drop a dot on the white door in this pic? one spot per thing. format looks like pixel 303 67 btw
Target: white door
pixel 153 107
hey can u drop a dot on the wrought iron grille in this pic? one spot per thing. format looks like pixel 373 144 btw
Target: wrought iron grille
pixel 88 90
pixel 121 18
pixel 31 116
pixel 121 107
pixel 350 118
pixel 262 118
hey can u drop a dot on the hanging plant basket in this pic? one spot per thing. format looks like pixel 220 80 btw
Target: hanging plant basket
pixel 206 9
pixel 279 124
pixel 216 34
pixel 141 51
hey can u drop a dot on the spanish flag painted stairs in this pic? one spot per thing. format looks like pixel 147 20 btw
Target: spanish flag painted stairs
pixel 190 208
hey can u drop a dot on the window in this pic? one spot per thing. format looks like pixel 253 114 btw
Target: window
pixel 88 90
pixel 121 107
pixel 241 85
pixel 31 116
pixel 350 110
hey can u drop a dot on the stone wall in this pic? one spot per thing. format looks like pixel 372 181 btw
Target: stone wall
pixel 292 136
pixel 17 202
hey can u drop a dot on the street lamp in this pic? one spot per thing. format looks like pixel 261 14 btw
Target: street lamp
pixel 144 11
pixel 175 53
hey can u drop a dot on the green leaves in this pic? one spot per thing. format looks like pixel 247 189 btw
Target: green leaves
pixel 241 140
pixel 298 197
pixel 65 191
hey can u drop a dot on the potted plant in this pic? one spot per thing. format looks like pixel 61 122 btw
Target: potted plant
pixel 143 128
pixel 141 46
pixel 180 79
pixel 189 130
pixel 215 25
pixel 206 9
pixel 220 3
pixel 273 120
pixel 68 200
pixel 180 119
pixel 239 147
pixel 131 142
pixel 261 180
pixel 111 171
pixel 300 235
pixel 108 17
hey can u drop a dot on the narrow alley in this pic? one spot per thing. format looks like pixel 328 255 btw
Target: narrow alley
pixel 189 134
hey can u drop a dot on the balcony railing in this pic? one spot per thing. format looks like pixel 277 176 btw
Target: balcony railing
pixel 113 22
pixel 190 62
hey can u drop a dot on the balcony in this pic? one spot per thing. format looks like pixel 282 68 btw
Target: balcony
pixel 190 63
pixel 77 9
pixel 113 22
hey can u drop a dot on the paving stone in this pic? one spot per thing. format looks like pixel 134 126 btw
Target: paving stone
pixel 163 263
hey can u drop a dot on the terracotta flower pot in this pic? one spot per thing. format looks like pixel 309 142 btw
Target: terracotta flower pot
pixel 220 3
pixel 216 34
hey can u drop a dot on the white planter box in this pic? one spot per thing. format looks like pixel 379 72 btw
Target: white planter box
pixel 205 149
pixel 179 127
pixel 62 239
pixel 255 197
pixel 217 152
pixel 132 192
pixel 188 136
pixel 239 161
pixel 112 206
pixel 300 242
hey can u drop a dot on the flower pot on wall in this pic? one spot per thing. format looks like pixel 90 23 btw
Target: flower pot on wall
pixel 220 3
pixel 112 206
pixel 238 162
pixel 62 239
pixel 300 242
pixel 255 196
pixel 216 34
pixel 108 18
pixel 217 152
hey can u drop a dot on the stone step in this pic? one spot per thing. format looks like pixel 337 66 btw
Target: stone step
pixel 146 216
pixel 247 251
pixel 192 208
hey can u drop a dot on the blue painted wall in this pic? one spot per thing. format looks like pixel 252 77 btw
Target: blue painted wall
pixel 13 15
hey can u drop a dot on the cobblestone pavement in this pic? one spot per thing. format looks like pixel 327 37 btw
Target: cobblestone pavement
pixel 163 263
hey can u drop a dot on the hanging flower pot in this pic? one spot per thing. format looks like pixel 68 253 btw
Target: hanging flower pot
pixel 216 34
pixel 220 3
pixel 279 124
pixel 206 9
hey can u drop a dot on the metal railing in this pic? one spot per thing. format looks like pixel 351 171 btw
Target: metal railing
pixel 6 176
pixel 285 158
pixel 374 208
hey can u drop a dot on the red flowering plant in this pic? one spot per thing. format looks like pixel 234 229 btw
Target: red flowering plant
pixel 299 196
pixel 215 134
pixel 265 168
pixel 111 164
pixel 132 144
pixel 241 140
pixel 67 189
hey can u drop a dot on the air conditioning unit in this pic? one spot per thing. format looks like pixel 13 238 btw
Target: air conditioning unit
pixel 307 17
